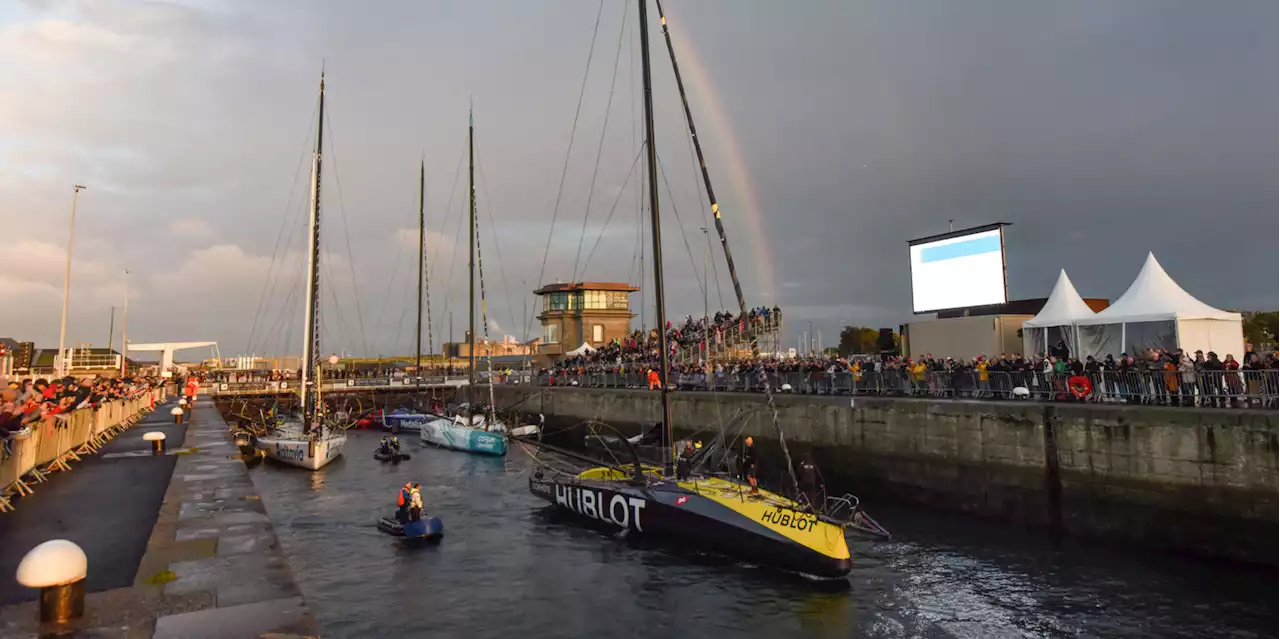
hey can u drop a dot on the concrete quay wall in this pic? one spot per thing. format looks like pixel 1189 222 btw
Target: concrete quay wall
pixel 1186 479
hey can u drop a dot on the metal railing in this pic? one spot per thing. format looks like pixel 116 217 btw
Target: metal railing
pixel 1241 388
pixel 736 337
pixel 50 445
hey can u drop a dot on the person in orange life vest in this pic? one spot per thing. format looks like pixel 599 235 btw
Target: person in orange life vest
pixel 193 387
pixel 654 382
pixel 404 500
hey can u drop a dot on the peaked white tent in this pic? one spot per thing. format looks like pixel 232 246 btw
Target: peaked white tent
pixel 1056 321
pixel 581 350
pixel 1156 313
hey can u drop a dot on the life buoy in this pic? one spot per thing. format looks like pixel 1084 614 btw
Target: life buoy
pixel 1080 386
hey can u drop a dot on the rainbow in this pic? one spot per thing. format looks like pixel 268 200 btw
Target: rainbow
pixel 698 81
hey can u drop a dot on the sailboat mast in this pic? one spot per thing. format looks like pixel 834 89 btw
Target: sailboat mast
pixel 311 332
pixel 422 189
pixel 702 163
pixel 651 160
pixel 471 259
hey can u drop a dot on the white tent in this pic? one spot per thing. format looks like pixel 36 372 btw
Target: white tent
pixel 1056 320
pixel 581 350
pixel 1156 313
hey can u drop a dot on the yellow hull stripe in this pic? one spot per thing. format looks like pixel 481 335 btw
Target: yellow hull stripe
pixel 775 512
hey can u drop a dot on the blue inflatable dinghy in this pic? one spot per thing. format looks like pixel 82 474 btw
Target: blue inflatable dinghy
pixel 427 528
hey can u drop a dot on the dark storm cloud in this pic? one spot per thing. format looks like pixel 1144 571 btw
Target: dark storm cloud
pixel 1101 130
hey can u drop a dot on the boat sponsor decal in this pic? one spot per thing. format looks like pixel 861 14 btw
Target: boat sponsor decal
pixel 681 500
pixel 289 452
pixel 789 519
pixel 617 509
pixel 407 422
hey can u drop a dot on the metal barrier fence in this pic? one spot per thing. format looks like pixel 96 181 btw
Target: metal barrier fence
pixel 52 444
pixel 1242 388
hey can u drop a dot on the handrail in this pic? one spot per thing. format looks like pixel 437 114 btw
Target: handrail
pixel 53 443
pixel 1238 388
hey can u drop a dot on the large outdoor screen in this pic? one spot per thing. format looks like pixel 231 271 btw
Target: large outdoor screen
pixel 957 270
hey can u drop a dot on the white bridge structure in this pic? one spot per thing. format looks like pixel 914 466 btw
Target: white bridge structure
pixel 167 348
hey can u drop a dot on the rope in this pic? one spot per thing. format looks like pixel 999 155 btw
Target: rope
pixel 564 172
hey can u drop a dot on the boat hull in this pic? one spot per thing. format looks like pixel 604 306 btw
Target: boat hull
pixel 426 529
pixel 714 517
pixel 407 422
pixel 299 451
pixel 393 457
pixel 447 433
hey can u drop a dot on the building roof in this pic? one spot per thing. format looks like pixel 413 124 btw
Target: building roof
pixel 559 287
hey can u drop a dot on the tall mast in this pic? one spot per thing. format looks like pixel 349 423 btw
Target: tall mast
pixel 651 160
pixel 471 259
pixel 311 331
pixel 702 162
pixel 422 188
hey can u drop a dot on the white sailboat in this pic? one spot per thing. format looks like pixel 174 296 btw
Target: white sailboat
pixel 306 441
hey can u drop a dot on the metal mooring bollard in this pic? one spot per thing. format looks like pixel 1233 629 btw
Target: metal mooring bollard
pixel 177 415
pixel 157 440
pixel 58 569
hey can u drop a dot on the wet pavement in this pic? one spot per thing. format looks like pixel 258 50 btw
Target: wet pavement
pixel 209 564
pixel 107 504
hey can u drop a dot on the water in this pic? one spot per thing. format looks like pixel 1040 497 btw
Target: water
pixel 510 567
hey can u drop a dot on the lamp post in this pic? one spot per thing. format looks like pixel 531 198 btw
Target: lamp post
pixel 66 287
pixel 124 330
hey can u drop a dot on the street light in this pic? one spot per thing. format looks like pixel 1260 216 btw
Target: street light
pixel 124 330
pixel 66 287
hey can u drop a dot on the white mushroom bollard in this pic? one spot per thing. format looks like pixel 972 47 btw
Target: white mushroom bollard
pixel 157 441
pixel 58 569
pixel 1021 392
pixel 177 414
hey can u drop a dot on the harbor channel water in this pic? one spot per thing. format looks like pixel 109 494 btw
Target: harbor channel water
pixel 509 566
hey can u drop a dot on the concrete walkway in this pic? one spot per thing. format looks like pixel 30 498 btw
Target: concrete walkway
pixel 212 566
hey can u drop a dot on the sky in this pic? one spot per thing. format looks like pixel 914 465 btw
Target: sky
pixel 834 132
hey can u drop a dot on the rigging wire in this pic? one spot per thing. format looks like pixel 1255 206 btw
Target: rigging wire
pixel 564 172
pixel 457 238
pixel 280 274
pixel 612 209
pixel 684 236
pixel 604 131
pixel 342 209
pixel 706 211
pixel 425 274
pixel 497 248
pixel 284 221
pixel 386 296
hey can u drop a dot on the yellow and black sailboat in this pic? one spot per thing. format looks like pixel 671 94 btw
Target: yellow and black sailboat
pixel 715 513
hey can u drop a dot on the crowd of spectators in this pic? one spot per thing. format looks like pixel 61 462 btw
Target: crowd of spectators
pixel 1167 377
pixel 23 404
pixel 639 351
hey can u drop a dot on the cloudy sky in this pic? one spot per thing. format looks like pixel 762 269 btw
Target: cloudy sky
pixel 835 131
